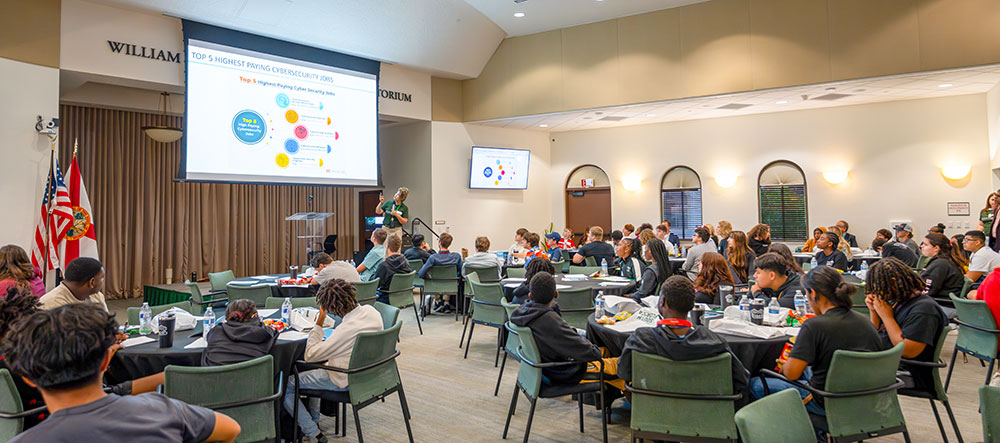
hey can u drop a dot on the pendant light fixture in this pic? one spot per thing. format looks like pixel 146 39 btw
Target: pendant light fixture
pixel 163 134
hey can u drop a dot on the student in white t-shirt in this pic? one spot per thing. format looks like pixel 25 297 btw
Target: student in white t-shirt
pixel 983 259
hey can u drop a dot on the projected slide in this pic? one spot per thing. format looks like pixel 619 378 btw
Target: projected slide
pixel 496 168
pixel 255 117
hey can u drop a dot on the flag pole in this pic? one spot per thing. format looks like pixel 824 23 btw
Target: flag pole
pixel 48 211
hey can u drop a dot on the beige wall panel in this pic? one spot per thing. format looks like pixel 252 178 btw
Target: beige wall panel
pixel 446 99
pixel 536 73
pixel 590 65
pixel 715 47
pixel 486 96
pixel 871 38
pixel 649 57
pixel 959 33
pixel 29 31
pixel 789 42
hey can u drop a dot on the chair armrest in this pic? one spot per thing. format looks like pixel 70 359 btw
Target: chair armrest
pixel 456 278
pixel 552 363
pixel 217 292
pixel 926 364
pixel 978 328
pixel 898 384
pixel 410 289
pixel 206 302
pixel 253 401
pixel 633 390
pixel 346 370
pixel 23 414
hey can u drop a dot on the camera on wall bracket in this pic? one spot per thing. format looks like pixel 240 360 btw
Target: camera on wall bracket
pixel 47 126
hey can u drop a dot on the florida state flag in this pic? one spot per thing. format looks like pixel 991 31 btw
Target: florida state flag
pixel 81 239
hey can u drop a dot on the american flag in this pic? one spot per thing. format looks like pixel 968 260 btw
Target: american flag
pixel 55 223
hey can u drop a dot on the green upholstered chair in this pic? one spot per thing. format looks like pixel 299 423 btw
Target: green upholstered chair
pixel 257 293
pixel 858 299
pixel 199 301
pixel 515 272
pixel 12 412
pixel 247 392
pixel 389 314
pixel 860 395
pixel 587 270
pixel 220 280
pixel 441 281
pixel 485 310
pixel 400 294
pixel 989 407
pixel 372 375
pixel 778 418
pixel 935 392
pixel 560 265
pixel 416 265
pixel 922 262
pixel 965 288
pixel 133 312
pixel 488 274
pixel 683 400
pixel 591 261
pixel 529 382
pixel 297 302
pixel 978 334
pixel 576 305
pixel 510 344
pixel 366 292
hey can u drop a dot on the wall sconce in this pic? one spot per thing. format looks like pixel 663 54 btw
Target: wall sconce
pixel 956 172
pixel 835 177
pixel 631 183
pixel 726 180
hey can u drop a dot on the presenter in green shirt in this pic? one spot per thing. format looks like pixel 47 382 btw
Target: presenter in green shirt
pixel 396 213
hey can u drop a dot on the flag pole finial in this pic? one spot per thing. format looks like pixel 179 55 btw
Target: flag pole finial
pixel 76 145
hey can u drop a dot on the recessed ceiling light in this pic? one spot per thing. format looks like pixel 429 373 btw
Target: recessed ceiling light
pixel 650 115
pixel 543 126
pixel 781 102
pixel 518 14
pixel 945 85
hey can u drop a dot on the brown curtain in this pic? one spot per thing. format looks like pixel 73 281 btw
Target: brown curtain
pixel 147 223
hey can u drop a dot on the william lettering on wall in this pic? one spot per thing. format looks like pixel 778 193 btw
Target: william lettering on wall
pixel 144 52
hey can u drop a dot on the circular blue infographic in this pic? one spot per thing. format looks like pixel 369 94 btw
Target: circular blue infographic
pixel 291 146
pixel 488 172
pixel 282 100
pixel 249 127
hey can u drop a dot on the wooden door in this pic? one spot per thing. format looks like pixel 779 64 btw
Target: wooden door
pixel 588 207
pixel 367 201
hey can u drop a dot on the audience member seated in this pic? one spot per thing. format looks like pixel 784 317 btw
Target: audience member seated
pixel 904 235
pixel 724 229
pixel 16 271
pixel 64 352
pixel 616 237
pixel 740 257
pixel 711 235
pixel 852 241
pixel 772 279
pixel 828 255
pixel 394 263
pixel 443 257
pixel 810 245
pixel 903 313
pixel 644 227
pixel 785 253
pixel 419 250
pixel 628 230
pixel 82 282
pixel 842 245
pixel 714 272
pixel 338 269
pixel 983 259
pixel 656 273
pixel 16 304
pixel 556 339
pixel 596 248
pixel 630 262
pixel 644 237
pixel 663 233
pixel 567 239
pixel 894 249
pixel 319 262
pixel 337 298
pixel 943 273
pixel 835 327
pixel 483 258
pixel 516 250
pixel 240 338
pixel 759 239
pixel 520 293
pixel 958 244
pixel 533 248
pixel 676 338
pixel 937 229
pixel 884 234
pixel 702 245
pixel 552 248
pixel 374 258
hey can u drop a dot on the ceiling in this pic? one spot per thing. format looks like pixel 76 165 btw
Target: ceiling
pixel 546 15
pixel 870 90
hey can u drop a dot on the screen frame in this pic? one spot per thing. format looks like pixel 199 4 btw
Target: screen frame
pixel 527 171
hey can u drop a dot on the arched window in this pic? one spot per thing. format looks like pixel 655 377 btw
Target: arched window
pixel 680 200
pixel 782 201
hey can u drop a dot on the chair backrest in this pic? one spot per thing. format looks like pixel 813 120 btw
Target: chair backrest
pixel 528 377
pixel 590 261
pixel 777 418
pixel 257 293
pixel 516 272
pixel 588 270
pixel 389 314
pixel 219 280
pixel 133 312
pixel 369 348
pixel 854 371
pixel 297 302
pixel 678 416
pixel 965 288
pixel 858 299
pixel 488 274
pixel 365 292
pixel 576 305
pixel 441 280
pixel 980 344
pixel 512 340
pixel 989 407
pixel 922 262
pixel 401 290
pixel 416 265
pixel 195 291
pixel 214 385
pixel 486 307
pixel 10 402
pixel 558 265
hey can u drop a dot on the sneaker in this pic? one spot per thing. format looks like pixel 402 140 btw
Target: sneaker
pixel 318 438
pixel 440 308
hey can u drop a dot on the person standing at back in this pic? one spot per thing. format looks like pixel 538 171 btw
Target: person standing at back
pixel 596 248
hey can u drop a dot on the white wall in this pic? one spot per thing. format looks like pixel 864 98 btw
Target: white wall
pixel 893 151
pixel 26 91
pixel 993 129
pixel 406 161
pixel 469 213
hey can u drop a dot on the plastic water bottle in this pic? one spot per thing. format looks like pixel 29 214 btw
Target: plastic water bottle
pixel 745 307
pixel 812 263
pixel 599 305
pixel 800 303
pixel 604 267
pixel 864 265
pixel 773 311
pixel 145 319
pixel 286 311
pixel 209 321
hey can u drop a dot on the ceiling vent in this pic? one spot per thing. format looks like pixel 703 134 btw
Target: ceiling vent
pixel 831 97
pixel 734 106
pixel 612 118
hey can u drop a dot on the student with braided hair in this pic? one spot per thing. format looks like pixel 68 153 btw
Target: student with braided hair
pixel 336 297
pixel 943 273
pixel 903 313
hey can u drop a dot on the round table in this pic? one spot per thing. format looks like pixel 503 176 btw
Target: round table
pixel 805 257
pixel 593 284
pixel 277 290
pixel 754 353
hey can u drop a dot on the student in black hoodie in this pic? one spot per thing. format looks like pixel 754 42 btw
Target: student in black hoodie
pixel 943 273
pixel 556 339
pixel 828 255
pixel 394 263
pixel 240 338
pixel 655 274
pixel 675 338
pixel 773 280
pixel 759 239
pixel 419 250
pixel 892 249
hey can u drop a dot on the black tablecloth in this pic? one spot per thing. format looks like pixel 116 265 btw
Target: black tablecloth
pixel 754 353
pixel 278 290
pixel 592 283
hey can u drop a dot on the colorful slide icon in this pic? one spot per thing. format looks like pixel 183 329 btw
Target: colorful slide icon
pixel 301 132
pixel 291 116
pixel 249 127
pixel 282 160
pixel 488 172
pixel 291 146
pixel 282 100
